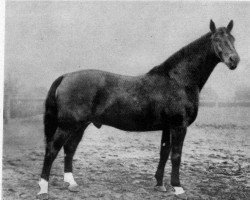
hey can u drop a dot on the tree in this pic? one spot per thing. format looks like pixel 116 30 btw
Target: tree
pixel 11 89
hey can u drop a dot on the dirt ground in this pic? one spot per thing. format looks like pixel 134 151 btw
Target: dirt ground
pixel 113 164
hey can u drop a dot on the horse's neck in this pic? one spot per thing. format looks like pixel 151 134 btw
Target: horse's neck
pixel 194 70
pixel 192 65
pixel 205 70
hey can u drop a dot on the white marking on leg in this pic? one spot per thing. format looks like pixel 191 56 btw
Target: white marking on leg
pixel 68 177
pixel 178 190
pixel 43 186
pixel 163 144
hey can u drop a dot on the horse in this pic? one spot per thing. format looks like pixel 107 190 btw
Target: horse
pixel 165 99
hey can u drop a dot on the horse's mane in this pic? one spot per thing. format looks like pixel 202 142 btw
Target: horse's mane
pixel 184 53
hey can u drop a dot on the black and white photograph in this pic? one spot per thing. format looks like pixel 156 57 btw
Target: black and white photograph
pixel 126 100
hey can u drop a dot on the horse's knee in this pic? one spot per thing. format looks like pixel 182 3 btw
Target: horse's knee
pixel 68 155
pixel 176 157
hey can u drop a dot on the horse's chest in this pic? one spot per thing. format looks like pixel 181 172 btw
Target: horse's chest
pixel 179 109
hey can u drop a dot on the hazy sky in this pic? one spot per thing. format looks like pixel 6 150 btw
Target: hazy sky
pixel 46 39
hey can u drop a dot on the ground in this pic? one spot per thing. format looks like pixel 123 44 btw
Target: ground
pixel 113 164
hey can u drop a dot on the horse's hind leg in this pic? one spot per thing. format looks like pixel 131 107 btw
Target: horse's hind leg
pixel 69 150
pixel 53 146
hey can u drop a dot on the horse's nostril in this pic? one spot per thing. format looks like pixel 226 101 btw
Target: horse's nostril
pixel 231 59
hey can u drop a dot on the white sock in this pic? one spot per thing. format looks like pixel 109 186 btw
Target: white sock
pixel 178 190
pixel 68 177
pixel 43 186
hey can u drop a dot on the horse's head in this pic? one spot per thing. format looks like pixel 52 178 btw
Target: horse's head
pixel 223 44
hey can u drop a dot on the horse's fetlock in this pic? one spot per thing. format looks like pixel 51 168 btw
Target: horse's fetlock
pixel 175 183
pixel 158 175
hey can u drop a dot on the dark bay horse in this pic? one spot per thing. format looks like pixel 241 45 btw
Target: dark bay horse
pixel 166 98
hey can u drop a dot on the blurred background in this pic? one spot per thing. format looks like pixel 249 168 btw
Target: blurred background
pixel 46 39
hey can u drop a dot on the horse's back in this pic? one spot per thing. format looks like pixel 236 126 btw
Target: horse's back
pixel 82 94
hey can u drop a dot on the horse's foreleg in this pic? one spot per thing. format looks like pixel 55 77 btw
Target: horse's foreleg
pixel 69 150
pixel 164 153
pixel 178 136
pixel 52 149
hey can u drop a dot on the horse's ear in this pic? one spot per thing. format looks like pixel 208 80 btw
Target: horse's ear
pixel 212 26
pixel 230 26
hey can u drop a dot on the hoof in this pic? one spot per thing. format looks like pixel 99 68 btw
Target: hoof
pixel 181 196
pixel 160 188
pixel 74 188
pixel 43 196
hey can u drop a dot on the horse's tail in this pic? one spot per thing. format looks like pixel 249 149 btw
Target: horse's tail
pixel 50 116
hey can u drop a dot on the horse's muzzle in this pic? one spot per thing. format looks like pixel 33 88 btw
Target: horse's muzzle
pixel 233 61
pixel 232 66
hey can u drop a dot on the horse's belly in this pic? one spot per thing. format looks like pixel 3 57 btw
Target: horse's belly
pixel 130 120
pixel 128 125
